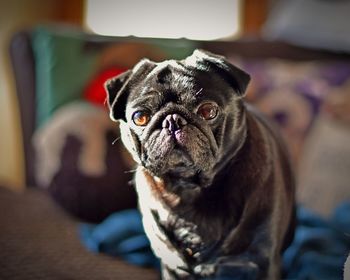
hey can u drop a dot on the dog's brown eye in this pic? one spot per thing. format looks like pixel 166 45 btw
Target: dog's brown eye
pixel 140 118
pixel 208 111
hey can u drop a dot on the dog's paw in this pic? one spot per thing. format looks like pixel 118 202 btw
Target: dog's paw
pixel 244 270
pixel 204 270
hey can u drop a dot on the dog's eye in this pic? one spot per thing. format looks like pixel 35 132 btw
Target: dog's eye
pixel 140 118
pixel 208 111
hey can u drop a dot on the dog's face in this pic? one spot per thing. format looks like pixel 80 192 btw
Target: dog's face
pixel 179 117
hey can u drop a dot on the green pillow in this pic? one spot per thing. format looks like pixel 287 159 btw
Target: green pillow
pixel 63 67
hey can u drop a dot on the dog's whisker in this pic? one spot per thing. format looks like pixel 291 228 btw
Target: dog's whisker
pixel 130 171
pixel 199 92
pixel 115 140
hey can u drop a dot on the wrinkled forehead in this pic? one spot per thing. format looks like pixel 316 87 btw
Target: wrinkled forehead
pixel 180 80
pixel 171 75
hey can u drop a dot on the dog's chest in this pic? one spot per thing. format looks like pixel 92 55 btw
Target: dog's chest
pixel 177 241
pixel 184 237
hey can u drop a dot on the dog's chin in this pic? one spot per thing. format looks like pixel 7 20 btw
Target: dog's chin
pixel 184 153
pixel 177 163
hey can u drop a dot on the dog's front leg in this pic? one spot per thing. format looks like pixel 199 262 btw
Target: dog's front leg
pixel 176 274
pixel 259 260
pixel 247 253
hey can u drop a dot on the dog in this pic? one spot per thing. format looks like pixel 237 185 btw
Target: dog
pixel 214 182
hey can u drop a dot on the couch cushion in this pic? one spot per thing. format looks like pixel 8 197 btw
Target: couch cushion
pixel 39 241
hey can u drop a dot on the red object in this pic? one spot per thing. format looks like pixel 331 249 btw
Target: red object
pixel 95 91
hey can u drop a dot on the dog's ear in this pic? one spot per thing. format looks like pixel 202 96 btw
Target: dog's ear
pixel 117 94
pixel 118 88
pixel 206 61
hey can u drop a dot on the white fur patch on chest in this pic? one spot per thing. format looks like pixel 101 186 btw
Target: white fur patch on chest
pixel 148 202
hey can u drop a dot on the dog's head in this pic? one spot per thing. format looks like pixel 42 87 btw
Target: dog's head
pixel 179 117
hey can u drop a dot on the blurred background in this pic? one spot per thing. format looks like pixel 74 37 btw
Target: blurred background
pixel 56 139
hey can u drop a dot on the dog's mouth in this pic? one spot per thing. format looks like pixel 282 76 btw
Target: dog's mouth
pixel 179 158
pixel 183 151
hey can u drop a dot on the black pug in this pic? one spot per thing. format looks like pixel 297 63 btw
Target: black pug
pixel 214 182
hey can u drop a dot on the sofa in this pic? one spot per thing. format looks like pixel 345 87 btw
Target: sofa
pixel 39 236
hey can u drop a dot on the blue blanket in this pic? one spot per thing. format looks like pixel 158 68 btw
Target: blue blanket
pixel 319 249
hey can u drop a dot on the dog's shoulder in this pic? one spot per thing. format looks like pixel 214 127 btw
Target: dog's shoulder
pixel 267 126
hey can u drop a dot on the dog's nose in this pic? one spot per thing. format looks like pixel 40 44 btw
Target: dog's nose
pixel 174 122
